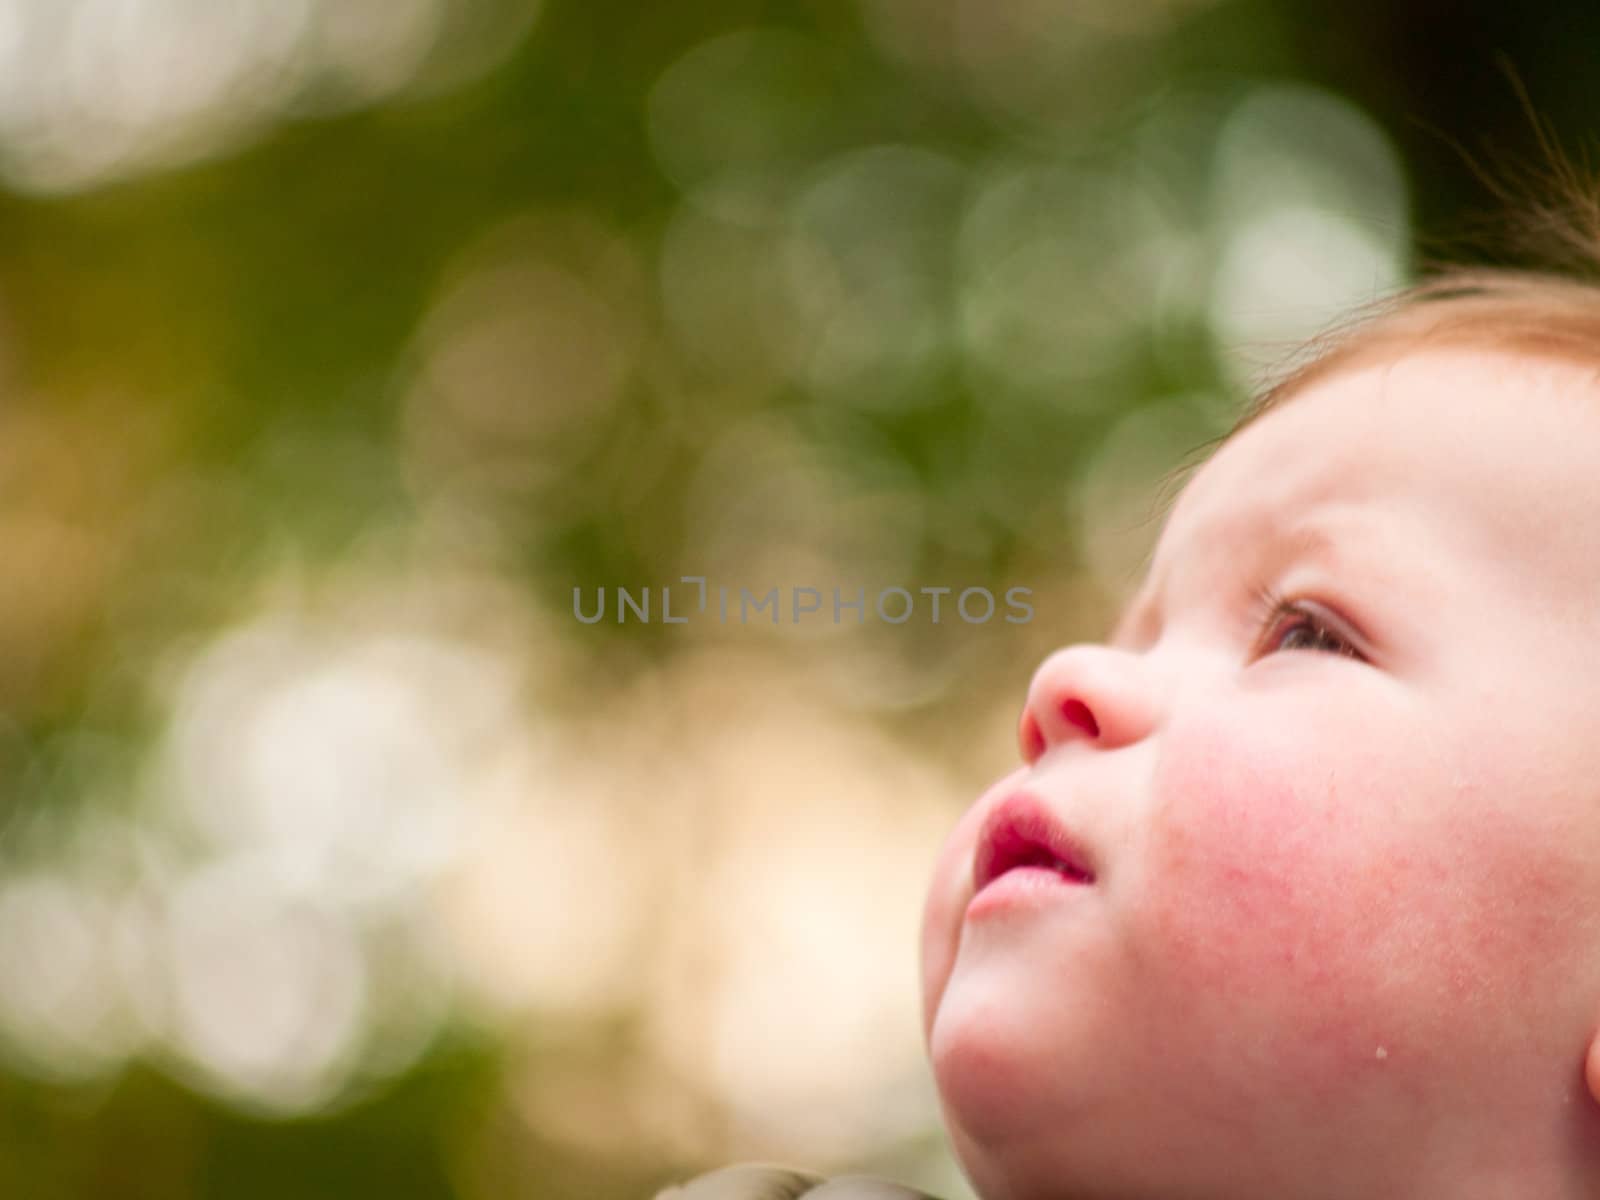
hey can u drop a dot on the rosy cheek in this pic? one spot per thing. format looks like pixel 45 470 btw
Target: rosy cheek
pixel 1266 899
pixel 1327 902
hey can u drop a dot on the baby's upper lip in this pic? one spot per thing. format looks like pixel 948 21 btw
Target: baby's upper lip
pixel 1021 831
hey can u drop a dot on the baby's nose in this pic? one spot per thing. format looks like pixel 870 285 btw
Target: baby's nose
pixel 1087 692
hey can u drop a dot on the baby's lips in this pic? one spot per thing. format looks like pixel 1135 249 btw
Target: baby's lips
pixel 1022 830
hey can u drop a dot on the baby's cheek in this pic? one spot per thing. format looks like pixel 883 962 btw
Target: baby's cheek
pixel 1343 915
pixel 1284 913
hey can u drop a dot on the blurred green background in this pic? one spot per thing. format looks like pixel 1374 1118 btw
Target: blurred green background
pixel 342 340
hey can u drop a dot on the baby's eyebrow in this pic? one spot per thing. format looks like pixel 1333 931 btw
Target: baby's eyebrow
pixel 1272 546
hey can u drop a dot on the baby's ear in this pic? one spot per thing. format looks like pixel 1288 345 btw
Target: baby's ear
pixel 759 1181
pixel 1591 1068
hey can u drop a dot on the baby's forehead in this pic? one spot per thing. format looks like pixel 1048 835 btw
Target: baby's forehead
pixel 1489 455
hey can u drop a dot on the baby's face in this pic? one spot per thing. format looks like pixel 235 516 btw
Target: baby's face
pixel 1342 936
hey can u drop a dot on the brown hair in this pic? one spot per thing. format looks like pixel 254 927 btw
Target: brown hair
pixel 1551 311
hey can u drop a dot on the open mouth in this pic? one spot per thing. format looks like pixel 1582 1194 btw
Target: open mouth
pixel 1021 834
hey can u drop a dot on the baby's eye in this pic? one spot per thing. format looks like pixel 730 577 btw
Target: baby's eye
pixel 1293 626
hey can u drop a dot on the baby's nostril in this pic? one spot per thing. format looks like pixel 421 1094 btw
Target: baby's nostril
pixel 1077 712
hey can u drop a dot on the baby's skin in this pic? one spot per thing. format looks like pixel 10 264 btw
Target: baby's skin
pixel 1325 920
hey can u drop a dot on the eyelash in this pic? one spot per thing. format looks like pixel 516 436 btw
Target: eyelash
pixel 1278 607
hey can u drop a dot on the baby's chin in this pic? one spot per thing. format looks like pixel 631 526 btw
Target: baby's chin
pixel 1005 1144
pixel 990 1154
pixel 1001 1086
pixel 1049 1093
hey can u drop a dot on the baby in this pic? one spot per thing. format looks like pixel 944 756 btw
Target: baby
pixel 1296 893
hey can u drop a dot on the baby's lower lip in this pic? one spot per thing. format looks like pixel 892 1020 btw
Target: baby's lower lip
pixel 1022 888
